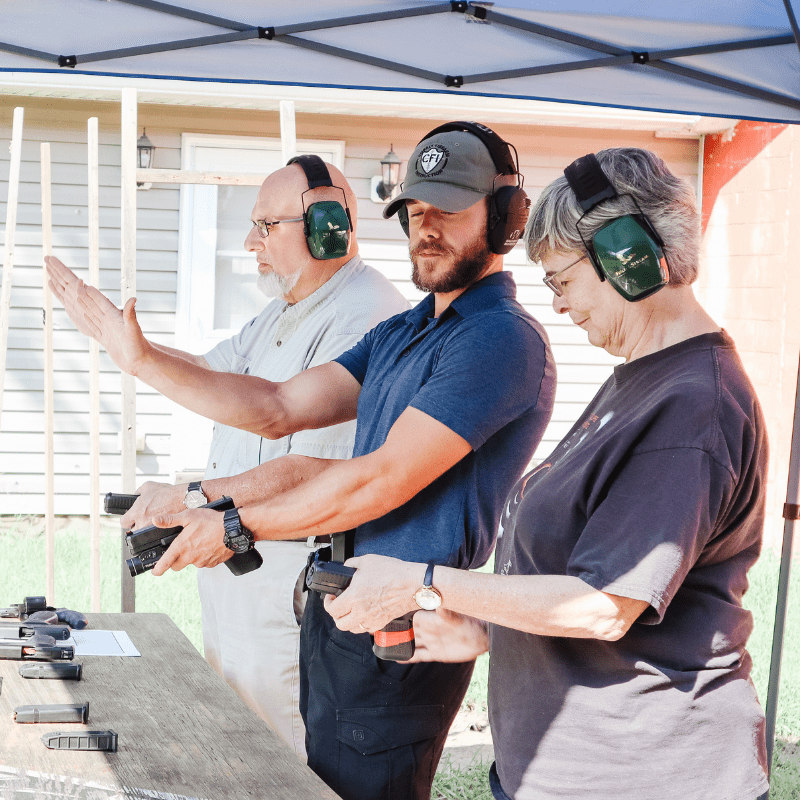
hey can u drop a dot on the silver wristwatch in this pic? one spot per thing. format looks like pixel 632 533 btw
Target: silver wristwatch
pixel 195 496
pixel 426 597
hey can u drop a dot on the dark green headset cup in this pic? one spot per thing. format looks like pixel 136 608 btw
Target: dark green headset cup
pixel 327 229
pixel 630 258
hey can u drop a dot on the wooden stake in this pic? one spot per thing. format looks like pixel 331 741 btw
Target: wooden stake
pixel 288 130
pixel 93 161
pixel 128 277
pixel 47 305
pixel 8 251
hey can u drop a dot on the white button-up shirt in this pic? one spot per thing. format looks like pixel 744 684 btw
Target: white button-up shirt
pixel 284 340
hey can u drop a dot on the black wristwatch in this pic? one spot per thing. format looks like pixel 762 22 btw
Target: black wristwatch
pixel 195 496
pixel 237 537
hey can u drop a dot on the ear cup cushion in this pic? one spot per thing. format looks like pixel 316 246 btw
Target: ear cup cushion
pixel 402 216
pixel 508 213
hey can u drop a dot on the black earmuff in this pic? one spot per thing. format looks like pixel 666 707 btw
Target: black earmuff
pixel 627 251
pixel 508 205
pixel 326 223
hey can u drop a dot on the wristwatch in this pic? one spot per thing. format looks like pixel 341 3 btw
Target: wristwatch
pixel 195 496
pixel 237 537
pixel 426 597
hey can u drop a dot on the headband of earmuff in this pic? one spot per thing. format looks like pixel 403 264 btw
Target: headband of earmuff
pixel 326 223
pixel 627 251
pixel 508 205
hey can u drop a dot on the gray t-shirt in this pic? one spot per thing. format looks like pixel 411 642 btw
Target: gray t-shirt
pixel 657 494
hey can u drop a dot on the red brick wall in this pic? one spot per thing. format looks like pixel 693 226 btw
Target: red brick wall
pixel 750 276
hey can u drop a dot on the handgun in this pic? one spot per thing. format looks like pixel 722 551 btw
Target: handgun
pixel 36 611
pixel 36 648
pixel 147 545
pixel 12 630
pixel 395 641
pixel 118 503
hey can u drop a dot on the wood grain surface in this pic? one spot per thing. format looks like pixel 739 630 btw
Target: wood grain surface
pixel 182 730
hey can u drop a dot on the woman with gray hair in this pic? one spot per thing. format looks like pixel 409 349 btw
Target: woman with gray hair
pixel 617 632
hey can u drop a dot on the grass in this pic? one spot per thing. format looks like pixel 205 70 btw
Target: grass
pixel 22 569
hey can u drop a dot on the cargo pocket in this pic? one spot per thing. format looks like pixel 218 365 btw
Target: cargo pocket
pixel 387 753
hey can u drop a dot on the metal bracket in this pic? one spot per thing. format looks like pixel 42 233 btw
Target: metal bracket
pixel 266 33
pixel 453 80
pixel 641 58
pixel 791 511
pixel 458 5
pixel 67 61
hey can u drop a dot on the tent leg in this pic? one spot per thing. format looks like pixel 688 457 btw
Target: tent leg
pixel 790 514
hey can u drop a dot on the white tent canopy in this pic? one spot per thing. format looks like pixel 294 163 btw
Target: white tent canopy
pixel 714 58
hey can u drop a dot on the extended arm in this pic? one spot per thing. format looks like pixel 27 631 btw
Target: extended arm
pixel 547 605
pixel 417 450
pixel 315 398
pixel 258 484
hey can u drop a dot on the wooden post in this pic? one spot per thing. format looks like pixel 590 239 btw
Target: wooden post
pixel 47 306
pixel 128 283
pixel 93 161
pixel 288 130
pixel 8 250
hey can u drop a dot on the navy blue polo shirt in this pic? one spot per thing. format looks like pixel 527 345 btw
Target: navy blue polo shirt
pixel 484 369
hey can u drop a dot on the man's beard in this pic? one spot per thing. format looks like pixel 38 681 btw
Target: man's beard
pixel 274 285
pixel 467 266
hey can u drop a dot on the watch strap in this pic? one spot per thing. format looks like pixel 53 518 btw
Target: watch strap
pixel 427 581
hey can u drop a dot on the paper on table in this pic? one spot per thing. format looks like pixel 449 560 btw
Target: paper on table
pixel 102 643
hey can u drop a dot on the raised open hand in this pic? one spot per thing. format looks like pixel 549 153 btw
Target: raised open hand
pixel 95 315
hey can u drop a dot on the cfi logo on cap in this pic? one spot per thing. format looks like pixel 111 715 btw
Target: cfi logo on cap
pixel 432 160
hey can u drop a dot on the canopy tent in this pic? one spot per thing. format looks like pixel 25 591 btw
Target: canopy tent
pixel 715 58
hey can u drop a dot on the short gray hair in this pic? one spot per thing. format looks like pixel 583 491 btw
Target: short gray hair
pixel 667 201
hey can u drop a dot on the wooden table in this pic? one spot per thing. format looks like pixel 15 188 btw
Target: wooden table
pixel 182 730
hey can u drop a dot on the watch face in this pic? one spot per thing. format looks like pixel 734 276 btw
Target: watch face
pixel 194 499
pixel 239 543
pixel 427 598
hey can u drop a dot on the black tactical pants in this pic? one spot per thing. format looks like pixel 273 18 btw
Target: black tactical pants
pixel 374 729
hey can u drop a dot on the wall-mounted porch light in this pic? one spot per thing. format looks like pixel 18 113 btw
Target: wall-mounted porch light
pixel 385 185
pixel 144 156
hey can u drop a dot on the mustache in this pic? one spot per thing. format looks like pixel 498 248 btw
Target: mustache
pixel 429 247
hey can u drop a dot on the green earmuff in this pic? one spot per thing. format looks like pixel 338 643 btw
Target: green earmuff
pixel 327 223
pixel 627 251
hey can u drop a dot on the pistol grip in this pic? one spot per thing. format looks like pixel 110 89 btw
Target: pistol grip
pixel 395 642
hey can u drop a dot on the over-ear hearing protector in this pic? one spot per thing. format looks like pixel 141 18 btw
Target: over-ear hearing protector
pixel 626 251
pixel 508 205
pixel 326 224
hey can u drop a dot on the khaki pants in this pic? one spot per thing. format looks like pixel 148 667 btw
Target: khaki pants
pixel 251 634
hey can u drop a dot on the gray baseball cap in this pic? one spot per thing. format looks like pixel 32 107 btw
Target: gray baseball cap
pixel 451 171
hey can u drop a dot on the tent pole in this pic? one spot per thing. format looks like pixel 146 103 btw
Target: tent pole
pixel 791 512
pixel 8 254
pixel 128 287
pixel 288 130
pixel 49 426
pixel 93 161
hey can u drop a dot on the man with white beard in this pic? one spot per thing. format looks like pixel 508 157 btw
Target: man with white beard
pixel 326 300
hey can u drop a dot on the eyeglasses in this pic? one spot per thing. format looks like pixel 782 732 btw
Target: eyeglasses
pixel 262 226
pixel 551 282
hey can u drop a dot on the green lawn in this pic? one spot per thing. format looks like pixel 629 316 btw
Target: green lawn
pixel 22 566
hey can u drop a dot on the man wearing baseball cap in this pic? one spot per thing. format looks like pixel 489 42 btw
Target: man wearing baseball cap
pixel 451 400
